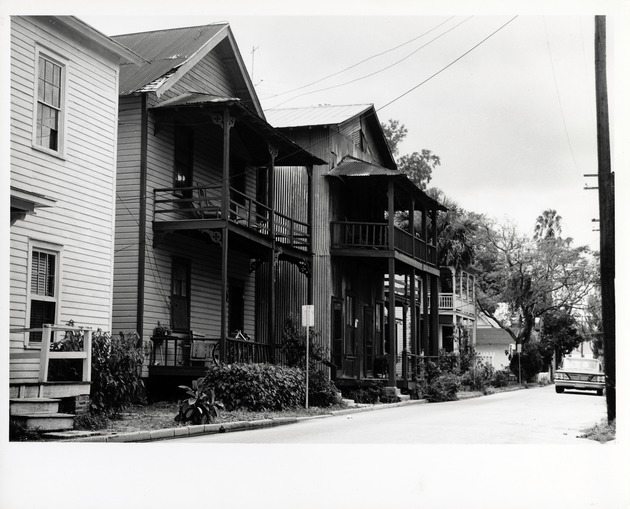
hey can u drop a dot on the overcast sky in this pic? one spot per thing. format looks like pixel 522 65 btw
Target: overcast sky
pixel 512 117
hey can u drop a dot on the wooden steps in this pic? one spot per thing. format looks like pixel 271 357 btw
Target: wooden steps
pixel 40 414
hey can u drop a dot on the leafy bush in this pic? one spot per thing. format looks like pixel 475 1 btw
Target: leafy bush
pixel 200 407
pixel 257 387
pixel 479 377
pixel 18 432
pixel 321 391
pixel 366 391
pixel 500 379
pixel 443 388
pixel 116 368
pixel 531 362
pixel 294 346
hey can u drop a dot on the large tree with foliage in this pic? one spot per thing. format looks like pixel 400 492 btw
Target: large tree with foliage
pixel 531 278
pixel 560 335
pixel 457 231
pixel 418 166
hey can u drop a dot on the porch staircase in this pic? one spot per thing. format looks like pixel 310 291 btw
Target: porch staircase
pixel 40 414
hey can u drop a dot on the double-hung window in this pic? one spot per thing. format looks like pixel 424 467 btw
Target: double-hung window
pixel 43 290
pixel 49 112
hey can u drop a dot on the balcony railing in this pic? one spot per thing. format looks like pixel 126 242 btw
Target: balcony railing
pixel 361 235
pixel 451 302
pixel 205 202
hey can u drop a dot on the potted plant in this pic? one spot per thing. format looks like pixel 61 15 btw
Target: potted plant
pixel 160 331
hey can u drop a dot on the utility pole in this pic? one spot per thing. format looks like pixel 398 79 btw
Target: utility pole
pixel 606 186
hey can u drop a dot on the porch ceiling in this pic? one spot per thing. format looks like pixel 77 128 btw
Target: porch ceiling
pixel 195 108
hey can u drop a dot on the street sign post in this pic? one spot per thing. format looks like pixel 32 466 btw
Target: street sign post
pixel 308 320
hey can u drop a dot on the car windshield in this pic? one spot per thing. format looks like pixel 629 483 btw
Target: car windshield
pixel 587 364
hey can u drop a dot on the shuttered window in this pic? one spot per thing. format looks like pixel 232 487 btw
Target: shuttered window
pixel 49 103
pixel 43 291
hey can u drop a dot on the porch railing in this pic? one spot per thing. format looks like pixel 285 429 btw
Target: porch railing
pixel 183 352
pixel 84 353
pixel 205 202
pixel 362 235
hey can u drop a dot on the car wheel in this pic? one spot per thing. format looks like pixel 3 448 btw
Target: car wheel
pixel 600 392
pixel 559 390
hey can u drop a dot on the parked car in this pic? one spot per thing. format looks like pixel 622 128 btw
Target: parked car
pixel 580 373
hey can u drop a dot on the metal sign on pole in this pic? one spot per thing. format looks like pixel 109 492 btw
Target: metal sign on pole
pixel 308 321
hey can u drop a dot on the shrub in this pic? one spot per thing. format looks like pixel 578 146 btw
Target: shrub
pixel 321 391
pixel 500 378
pixel 366 391
pixel 294 346
pixel 257 387
pixel 479 377
pixel 531 362
pixel 18 432
pixel 443 388
pixel 116 368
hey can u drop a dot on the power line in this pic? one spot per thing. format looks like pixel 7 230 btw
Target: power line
pixel 449 65
pixel 564 122
pixel 379 70
pixel 359 63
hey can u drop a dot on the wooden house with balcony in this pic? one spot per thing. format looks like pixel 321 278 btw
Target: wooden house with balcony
pixel 64 95
pixel 458 313
pixel 360 240
pixel 202 219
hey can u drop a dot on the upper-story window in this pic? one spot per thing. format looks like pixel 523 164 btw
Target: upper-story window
pixel 50 99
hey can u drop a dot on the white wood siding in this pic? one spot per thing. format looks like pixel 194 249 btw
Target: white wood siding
pixel 82 183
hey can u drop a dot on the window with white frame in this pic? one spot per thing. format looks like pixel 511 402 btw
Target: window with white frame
pixel 43 290
pixel 49 110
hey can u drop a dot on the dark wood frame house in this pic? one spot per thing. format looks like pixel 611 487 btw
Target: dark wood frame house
pixel 196 218
pixel 359 245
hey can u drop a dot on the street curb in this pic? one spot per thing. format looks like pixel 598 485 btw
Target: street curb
pixel 226 427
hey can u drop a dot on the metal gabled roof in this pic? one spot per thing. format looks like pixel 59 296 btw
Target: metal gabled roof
pixel 351 167
pixel 164 50
pixel 314 115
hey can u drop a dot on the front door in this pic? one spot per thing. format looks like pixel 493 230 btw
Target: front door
pixel 337 337
pixel 368 341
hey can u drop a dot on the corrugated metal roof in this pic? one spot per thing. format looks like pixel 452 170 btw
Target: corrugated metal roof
pixel 353 167
pixel 165 51
pixel 195 98
pixel 314 115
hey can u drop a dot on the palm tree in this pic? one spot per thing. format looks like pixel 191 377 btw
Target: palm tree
pixel 548 226
pixel 456 229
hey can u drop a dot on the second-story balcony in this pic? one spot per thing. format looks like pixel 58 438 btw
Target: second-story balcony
pixel 456 303
pixel 201 207
pixel 362 236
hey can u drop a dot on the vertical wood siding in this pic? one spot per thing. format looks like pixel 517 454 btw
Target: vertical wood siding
pixel 82 183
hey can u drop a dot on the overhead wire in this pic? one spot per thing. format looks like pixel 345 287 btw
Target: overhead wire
pixel 308 147
pixel 361 62
pixel 564 121
pixel 377 71
pixel 449 65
